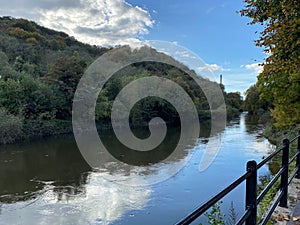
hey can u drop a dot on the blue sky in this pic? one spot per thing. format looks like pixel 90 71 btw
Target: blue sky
pixel 214 31
pixel 210 28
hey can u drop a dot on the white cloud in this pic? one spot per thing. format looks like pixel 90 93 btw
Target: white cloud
pixel 185 54
pixel 99 22
pixel 103 202
pixel 256 67
pixel 212 68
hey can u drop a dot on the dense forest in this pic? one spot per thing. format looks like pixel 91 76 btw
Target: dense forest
pixel 39 72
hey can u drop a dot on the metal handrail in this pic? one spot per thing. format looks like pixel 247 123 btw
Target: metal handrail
pixel 268 158
pixel 269 185
pixel 204 207
pixel 252 201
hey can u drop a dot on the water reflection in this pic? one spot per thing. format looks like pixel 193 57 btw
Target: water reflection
pixel 48 182
pixel 252 123
pixel 25 169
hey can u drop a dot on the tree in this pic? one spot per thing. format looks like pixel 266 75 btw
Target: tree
pixel 29 97
pixel 234 99
pixel 10 93
pixel 5 69
pixel 64 75
pixel 280 80
pixel 253 103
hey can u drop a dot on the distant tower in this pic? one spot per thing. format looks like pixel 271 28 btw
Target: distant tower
pixel 220 78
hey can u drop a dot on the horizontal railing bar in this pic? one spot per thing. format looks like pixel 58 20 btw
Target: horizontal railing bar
pixel 244 217
pixel 263 162
pixel 204 207
pixel 294 139
pixel 270 184
pixel 208 204
pixel 272 208
pixel 293 158
pixel 292 175
pixel 268 158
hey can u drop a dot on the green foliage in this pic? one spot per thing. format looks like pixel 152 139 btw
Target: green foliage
pixel 3 60
pixel 43 128
pixel 10 127
pixel 5 68
pixel 214 216
pixel 253 103
pixel 234 99
pixel 279 82
pixel 233 104
pixel 155 107
pixel 10 94
pixel 269 197
pixel 274 167
pixel 64 74
pixel 40 69
pixel 29 97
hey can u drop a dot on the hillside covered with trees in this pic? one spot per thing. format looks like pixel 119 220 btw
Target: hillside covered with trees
pixel 39 72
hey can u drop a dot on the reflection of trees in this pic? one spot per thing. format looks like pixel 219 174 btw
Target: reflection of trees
pixel 70 191
pixel 25 170
pixel 252 119
pixel 53 175
pixel 56 165
pixel 139 158
pixel 252 123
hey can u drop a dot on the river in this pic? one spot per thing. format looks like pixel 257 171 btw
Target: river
pixel 48 182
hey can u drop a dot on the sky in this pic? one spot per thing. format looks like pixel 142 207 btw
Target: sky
pixel 211 29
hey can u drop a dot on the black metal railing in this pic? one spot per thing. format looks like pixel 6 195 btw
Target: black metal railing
pixel 250 176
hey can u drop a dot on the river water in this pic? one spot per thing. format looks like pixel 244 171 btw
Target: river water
pixel 48 181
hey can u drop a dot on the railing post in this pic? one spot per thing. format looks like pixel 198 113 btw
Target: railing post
pixel 251 188
pixel 298 157
pixel 285 174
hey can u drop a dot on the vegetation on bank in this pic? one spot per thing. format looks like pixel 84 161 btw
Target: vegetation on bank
pixel 278 84
pixel 276 95
pixel 39 72
pixel 10 127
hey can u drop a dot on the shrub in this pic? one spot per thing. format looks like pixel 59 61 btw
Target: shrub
pixel 215 216
pixel 10 127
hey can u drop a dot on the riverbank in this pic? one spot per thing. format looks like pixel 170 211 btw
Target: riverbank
pixel 34 129
pixel 15 129
pixel 284 216
pixel 276 135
